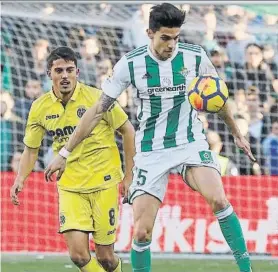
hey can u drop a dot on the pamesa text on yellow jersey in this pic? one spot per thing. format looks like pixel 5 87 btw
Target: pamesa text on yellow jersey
pixel 95 163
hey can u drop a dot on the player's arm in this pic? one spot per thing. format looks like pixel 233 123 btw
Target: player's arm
pixel 128 133
pixel 33 136
pixel 206 67
pixel 26 165
pixel 227 116
pixel 112 88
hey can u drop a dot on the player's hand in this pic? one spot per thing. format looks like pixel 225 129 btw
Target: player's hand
pixel 15 189
pixel 126 182
pixel 244 145
pixel 57 164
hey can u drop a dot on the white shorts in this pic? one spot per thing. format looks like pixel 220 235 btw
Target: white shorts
pixel 151 170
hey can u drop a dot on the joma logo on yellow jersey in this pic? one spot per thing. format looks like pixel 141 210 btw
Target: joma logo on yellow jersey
pixel 61 132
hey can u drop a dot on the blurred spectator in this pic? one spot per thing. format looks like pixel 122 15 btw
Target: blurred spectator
pixel 270 148
pixel 6 138
pixel 6 73
pixel 240 101
pixel 12 129
pixel 257 72
pixel 235 48
pixel 75 37
pixel 228 168
pixel 245 166
pixel 89 50
pixel 137 36
pixel 231 73
pixel 255 125
pixel 28 60
pixel 33 90
pixel 40 51
pixel 268 119
pixel 209 42
pixel 271 59
pixel 103 70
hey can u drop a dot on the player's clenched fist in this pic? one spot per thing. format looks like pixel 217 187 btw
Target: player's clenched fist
pixel 57 164
pixel 15 189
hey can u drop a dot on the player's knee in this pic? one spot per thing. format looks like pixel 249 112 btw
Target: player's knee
pixel 142 234
pixel 80 259
pixel 218 203
pixel 107 262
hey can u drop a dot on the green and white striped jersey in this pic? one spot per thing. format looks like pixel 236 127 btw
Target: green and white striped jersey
pixel 165 114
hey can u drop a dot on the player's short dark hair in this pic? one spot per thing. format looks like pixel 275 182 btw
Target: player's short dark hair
pixel 165 15
pixel 62 52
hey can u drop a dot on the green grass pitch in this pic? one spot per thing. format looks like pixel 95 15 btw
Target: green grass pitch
pixel 63 264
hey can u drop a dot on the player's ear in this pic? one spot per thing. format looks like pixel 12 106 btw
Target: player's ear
pixel 77 72
pixel 49 73
pixel 150 33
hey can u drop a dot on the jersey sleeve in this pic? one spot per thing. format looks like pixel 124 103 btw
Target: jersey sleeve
pixel 116 116
pixel 34 131
pixel 114 85
pixel 206 67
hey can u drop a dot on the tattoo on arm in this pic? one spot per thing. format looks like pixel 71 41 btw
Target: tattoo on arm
pixel 106 102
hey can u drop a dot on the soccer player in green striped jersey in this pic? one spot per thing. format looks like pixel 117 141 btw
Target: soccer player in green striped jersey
pixel 170 135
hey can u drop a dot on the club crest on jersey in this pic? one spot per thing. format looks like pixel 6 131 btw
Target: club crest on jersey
pixel 80 111
pixel 184 72
pixel 165 82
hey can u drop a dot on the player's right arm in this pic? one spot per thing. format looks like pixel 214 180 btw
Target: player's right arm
pixel 26 165
pixel 112 88
pixel 33 136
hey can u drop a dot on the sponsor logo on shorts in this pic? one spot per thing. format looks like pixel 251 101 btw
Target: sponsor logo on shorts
pixel 62 219
pixel 80 111
pixel 206 157
pixel 110 232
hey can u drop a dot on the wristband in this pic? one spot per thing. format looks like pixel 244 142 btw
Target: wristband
pixel 64 153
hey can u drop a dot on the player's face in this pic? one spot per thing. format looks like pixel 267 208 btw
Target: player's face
pixel 64 76
pixel 164 41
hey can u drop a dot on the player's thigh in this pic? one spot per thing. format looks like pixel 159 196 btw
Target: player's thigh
pixel 77 243
pixel 150 175
pixel 75 211
pixel 145 208
pixel 207 181
pixel 105 211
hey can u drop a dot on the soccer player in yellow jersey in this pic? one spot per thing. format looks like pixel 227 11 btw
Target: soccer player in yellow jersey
pixel 88 186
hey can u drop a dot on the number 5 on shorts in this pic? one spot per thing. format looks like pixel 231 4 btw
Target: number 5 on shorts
pixel 141 178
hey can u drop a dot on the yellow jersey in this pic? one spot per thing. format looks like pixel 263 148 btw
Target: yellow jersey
pixel 95 163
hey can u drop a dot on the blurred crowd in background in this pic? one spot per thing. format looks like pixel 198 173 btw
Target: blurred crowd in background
pixel 247 61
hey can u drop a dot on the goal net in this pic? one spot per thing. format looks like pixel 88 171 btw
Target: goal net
pixel 101 33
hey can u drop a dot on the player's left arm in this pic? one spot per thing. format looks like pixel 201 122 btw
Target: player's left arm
pixel 206 67
pixel 227 116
